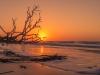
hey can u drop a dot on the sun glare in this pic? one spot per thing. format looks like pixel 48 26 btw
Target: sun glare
pixel 42 35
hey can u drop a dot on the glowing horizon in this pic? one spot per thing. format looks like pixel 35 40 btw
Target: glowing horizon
pixel 63 20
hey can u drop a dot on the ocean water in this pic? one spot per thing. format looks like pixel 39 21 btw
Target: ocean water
pixel 82 58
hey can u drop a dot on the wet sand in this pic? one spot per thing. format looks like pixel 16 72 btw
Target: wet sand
pixel 79 62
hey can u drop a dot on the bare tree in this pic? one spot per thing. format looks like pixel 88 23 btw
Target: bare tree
pixel 25 35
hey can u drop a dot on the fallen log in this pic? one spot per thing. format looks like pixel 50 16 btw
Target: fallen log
pixel 41 58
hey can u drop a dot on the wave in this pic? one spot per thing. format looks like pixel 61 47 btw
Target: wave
pixel 87 44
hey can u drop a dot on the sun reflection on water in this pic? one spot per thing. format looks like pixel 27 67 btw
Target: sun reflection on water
pixel 41 50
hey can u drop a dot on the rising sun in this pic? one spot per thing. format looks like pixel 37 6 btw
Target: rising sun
pixel 42 35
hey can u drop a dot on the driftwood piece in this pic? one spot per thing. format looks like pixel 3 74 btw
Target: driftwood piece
pixel 15 57
pixel 6 72
pixel 33 58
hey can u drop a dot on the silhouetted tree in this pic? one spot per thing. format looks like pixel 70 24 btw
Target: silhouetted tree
pixel 25 34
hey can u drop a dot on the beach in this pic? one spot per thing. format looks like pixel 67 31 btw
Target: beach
pixel 79 61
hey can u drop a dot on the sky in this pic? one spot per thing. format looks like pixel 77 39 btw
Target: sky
pixel 62 20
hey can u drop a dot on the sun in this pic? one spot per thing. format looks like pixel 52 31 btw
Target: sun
pixel 42 36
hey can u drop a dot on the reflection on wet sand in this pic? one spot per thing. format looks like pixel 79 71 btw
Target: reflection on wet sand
pixel 79 62
pixel 41 50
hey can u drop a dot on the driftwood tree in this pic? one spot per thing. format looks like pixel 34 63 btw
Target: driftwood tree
pixel 25 35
